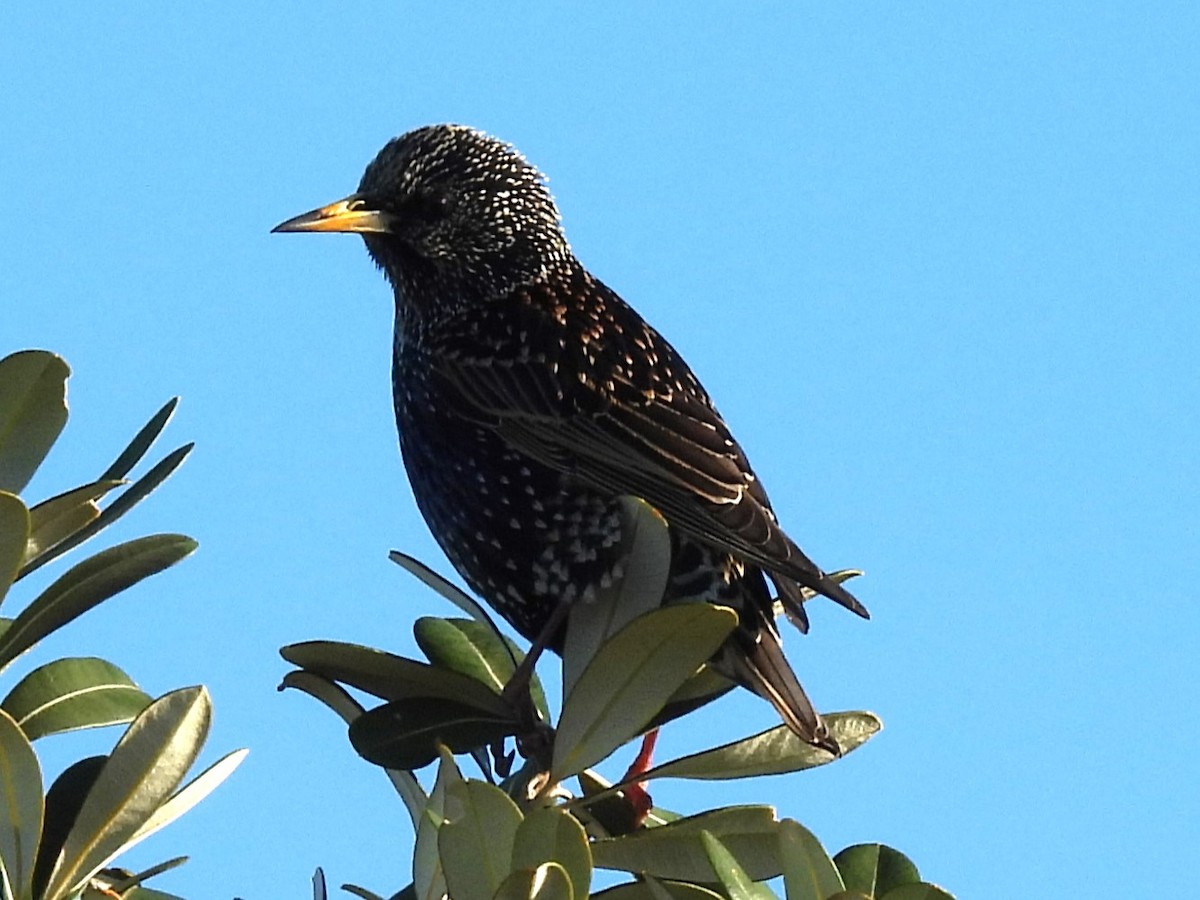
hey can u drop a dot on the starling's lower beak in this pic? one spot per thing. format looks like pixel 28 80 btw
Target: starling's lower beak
pixel 350 214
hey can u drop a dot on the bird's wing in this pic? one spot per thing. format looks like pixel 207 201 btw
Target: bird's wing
pixel 664 443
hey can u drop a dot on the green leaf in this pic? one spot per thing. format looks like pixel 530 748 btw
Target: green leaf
pixel 771 752
pixel 612 810
pixel 391 677
pixel 548 881
pixel 90 583
pixel 63 802
pixel 33 411
pixel 53 521
pixel 922 890
pixel 631 677
pixel 654 889
pixel 475 841
pixel 549 834
pixel 143 770
pixel 738 885
pixel 875 869
pixel 645 554
pixel 340 701
pixel 429 880
pixel 473 649
pixel 74 693
pixel 447 589
pixel 132 455
pixel 14 538
pixel 188 796
pixel 808 872
pixel 405 734
pixel 21 790
pixel 129 498
pixel 675 850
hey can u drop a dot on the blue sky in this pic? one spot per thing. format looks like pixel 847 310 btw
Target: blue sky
pixel 937 263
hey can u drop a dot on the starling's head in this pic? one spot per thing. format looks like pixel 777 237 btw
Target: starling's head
pixel 451 215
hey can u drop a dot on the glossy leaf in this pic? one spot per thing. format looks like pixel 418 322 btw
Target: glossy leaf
pixel 548 881
pixel 875 869
pixel 429 879
pixel 657 889
pixel 447 589
pixel 631 677
pixel 475 841
pixel 391 677
pixel 22 809
pixel 549 834
pixel 808 872
pixel 188 796
pixel 771 752
pixel 337 699
pixel 141 443
pixel 53 521
pixel 645 555
pixel 921 890
pixel 128 498
pixel 33 411
pixel 405 734
pixel 90 583
pixel 675 850
pixel 108 883
pixel 738 885
pixel 473 649
pixel 74 693
pixel 143 770
pixel 14 538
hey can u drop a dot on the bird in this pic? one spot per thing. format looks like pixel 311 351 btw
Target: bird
pixel 530 398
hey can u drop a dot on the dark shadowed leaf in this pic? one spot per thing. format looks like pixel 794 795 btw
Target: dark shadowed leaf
pixel 63 802
pixel 405 734
pixel 548 881
pixel 771 752
pixel 74 693
pixel 675 850
pixel 645 554
pixel 33 411
pixel 808 872
pixel 129 498
pixel 631 677
pixel 738 885
pixel 551 835
pixel 142 441
pixel 90 583
pixel 53 521
pixel 391 677
pixel 473 649
pixel 21 812
pixel 143 770
pixel 14 538
pixel 875 869
pixel 475 841
pixel 337 699
pixel 922 890
pixel 612 810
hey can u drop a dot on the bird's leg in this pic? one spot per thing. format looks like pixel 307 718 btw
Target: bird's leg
pixel 534 741
pixel 635 792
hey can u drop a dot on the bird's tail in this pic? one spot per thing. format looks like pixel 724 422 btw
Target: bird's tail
pixel 757 662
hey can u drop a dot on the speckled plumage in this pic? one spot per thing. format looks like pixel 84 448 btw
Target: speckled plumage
pixel 529 397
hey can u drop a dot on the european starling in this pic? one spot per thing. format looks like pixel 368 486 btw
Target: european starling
pixel 530 397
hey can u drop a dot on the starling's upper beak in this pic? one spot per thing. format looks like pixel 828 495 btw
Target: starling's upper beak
pixel 354 213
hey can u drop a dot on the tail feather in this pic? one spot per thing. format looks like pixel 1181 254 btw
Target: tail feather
pixel 757 662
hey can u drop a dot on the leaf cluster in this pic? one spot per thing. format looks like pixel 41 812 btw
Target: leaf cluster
pixel 628 664
pixel 59 843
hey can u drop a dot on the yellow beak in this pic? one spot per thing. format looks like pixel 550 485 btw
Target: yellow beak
pixel 349 214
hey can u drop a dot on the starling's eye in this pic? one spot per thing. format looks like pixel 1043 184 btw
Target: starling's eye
pixel 429 207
